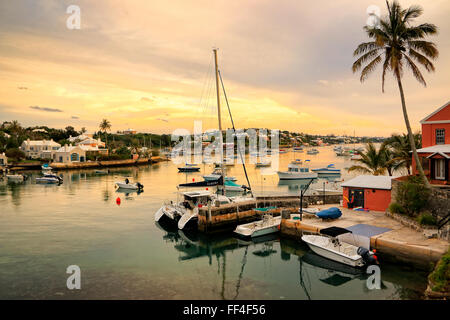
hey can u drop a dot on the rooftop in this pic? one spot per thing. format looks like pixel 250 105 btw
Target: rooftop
pixel 373 182
pixel 442 148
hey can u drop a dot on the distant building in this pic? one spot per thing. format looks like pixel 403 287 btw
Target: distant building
pixel 3 159
pixel 129 131
pixel 69 154
pixel 43 149
pixel 368 192
pixel 435 152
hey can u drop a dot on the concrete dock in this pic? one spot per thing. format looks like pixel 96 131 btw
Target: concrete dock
pixel 401 243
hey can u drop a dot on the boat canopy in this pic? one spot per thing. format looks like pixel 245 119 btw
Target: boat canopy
pixel 334 231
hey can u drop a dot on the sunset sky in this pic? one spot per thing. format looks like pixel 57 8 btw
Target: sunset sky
pixel 147 65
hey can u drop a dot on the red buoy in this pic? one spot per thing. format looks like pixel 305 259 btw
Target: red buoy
pixel 118 201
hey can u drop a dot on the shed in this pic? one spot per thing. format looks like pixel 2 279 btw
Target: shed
pixel 369 192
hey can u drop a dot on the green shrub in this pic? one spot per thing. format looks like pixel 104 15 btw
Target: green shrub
pixel 15 153
pixel 440 277
pixel 426 219
pixel 395 207
pixel 413 195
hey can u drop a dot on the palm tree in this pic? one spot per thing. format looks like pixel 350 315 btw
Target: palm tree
pixel 401 150
pixel 105 126
pixel 401 45
pixel 372 161
pixel 15 127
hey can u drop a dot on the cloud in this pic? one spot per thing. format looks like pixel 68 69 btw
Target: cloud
pixel 145 99
pixel 22 88
pixel 45 109
pixel 165 120
pixel 75 117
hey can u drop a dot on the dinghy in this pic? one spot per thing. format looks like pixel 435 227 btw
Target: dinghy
pixel 268 224
pixel 131 186
pixel 331 247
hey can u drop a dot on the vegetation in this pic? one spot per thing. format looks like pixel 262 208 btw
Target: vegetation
pixel 398 44
pixel 400 148
pixel 412 195
pixel 427 219
pixel 105 126
pixel 15 154
pixel 440 277
pixel 395 207
pixel 373 161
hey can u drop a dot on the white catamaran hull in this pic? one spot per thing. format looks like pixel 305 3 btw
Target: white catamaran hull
pixel 324 248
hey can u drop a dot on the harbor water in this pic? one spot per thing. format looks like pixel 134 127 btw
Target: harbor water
pixel 123 254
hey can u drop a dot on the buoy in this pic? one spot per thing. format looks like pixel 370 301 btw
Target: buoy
pixel 118 201
pixel 193 179
pixel 206 189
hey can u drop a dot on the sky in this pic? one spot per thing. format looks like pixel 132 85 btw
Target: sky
pixel 148 65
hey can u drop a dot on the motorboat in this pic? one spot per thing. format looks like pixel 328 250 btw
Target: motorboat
pixel 330 169
pixel 329 245
pixel 267 225
pixel 185 213
pixel 263 163
pixel 312 151
pixel 189 167
pixel 282 151
pixel 356 157
pixel 296 172
pixel 298 149
pixel 131 186
pixel 233 186
pixel 16 177
pixel 49 178
pixel 45 166
pixel 216 174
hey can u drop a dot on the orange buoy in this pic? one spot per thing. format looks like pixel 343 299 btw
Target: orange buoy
pixel 118 201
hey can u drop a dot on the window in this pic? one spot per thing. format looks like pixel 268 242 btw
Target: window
pixel 439 169
pixel 440 136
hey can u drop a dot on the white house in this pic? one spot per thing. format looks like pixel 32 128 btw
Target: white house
pixel 39 148
pixel 69 154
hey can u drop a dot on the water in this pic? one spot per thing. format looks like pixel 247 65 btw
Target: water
pixel 123 254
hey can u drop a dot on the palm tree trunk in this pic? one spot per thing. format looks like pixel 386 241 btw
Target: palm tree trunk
pixel 410 135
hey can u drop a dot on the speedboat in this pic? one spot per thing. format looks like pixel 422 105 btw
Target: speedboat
pixel 298 149
pixel 131 186
pixel 330 169
pixel 49 178
pixel 216 174
pixel 189 168
pixel 233 186
pixel 296 172
pixel 312 151
pixel 16 177
pixel 268 224
pixel 265 163
pixel 185 213
pixel 331 247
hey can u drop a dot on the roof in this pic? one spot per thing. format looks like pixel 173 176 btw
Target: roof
pixel 425 120
pixel 67 148
pixel 371 182
pixel 41 143
pixel 440 148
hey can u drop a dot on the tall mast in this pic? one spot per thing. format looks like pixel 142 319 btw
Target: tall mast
pixel 219 115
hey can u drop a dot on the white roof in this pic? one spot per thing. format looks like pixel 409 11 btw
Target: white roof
pixel 42 143
pixel 371 182
pixel 67 148
pixel 440 148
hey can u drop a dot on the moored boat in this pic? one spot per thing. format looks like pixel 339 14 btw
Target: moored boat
pixel 188 167
pixel 296 172
pixel 267 225
pixel 131 186
pixel 330 169
pixel 49 178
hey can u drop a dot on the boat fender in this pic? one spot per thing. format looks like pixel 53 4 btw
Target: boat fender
pixel 118 201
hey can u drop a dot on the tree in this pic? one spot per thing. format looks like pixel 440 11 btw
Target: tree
pixel 15 127
pixel 398 44
pixel 401 150
pixel 83 130
pixel 105 126
pixel 372 161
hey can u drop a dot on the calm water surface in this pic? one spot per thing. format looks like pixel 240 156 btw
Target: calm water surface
pixel 123 254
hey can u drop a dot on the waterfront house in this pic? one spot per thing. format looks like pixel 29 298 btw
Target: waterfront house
pixel 368 192
pixel 435 152
pixel 69 154
pixel 3 159
pixel 43 149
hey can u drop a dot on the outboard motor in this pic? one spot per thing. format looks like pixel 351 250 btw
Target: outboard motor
pixel 139 185
pixel 127 181
pixel 368 257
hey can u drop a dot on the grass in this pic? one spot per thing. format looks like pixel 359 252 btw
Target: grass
pixel 440 277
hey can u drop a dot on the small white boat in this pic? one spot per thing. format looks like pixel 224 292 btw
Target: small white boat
pixel 356 157
pixel 49 178
pixel 265 163
pixel 312 151
pixel 131 186
pixel 267 225
pixel 330 169
pixel 16 177
pixel 45 166
pixel 215 175
pixel 331 247
pixel 296 172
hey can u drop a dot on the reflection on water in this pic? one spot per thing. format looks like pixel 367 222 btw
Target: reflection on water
pixel 124 255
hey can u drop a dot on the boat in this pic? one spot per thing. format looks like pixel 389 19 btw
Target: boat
pixel 312 151
pixel 298 149
pixel 49 178
pixel 356 157
pixel 323 191
pixel 265 163
pixel 296 172
pixel 267 225
pixel 233 186
pixel 16 177
pixel 216 174
pixel 331 247
pixel 45 166
pixel 330 169
pixel 189 168
pixel 330 213
pixel 131 186
pixel 282 151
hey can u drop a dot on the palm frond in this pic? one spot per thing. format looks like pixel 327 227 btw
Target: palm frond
pixel 365 47
pixel 426 47
pixel 421 59
pixel 415 70
pixel 369 68
pixel 361 60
